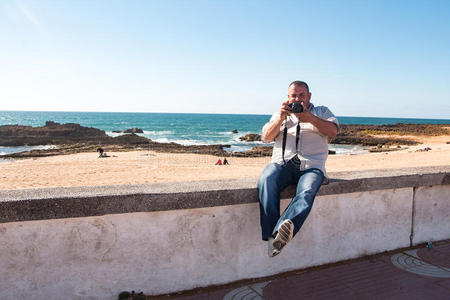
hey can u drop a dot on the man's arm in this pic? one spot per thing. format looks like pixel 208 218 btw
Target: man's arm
pixel 325 127
pixel 273 128
pixel 271 131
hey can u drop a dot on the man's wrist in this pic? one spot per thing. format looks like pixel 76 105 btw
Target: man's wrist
pixel 280 119
pixel 309 117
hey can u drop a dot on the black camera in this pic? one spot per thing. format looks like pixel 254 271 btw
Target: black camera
pixel 296 107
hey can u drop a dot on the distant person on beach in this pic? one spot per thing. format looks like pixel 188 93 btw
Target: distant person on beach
pixel 300 131
pixel 102 152
pixel 219 162
pixel 225 161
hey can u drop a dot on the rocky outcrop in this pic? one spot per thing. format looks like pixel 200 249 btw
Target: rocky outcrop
pixel 131 139
pixel 74 138
pixel 255 152
pixel 133 130
pixel 234 131
pixel 251 137
pixel 52 133
pixel 373 135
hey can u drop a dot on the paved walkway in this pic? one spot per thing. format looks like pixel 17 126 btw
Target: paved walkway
pixel 422 273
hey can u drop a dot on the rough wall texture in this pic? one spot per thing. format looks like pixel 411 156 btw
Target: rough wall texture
pixel 161 252
pixel 432 214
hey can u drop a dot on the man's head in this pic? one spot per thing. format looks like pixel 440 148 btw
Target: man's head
pixel 299 92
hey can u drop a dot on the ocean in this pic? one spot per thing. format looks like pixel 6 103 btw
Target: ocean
pixel 184 129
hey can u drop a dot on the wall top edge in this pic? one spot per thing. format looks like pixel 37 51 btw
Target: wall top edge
pixel 50 203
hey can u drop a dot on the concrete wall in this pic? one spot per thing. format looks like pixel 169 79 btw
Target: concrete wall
pixel 162 252
pixel 431 214
pixel 96 257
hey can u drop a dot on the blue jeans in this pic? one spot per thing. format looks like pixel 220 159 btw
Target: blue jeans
pixel 273 180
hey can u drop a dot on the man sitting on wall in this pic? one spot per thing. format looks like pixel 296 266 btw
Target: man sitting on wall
pixel 300 131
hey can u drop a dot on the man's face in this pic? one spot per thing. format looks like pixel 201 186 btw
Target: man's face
pixel 299 94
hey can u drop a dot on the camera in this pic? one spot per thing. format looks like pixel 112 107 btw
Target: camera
pixel 296 107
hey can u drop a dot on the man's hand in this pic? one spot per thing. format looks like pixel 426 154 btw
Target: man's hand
pixel 305 115
pixel 325 127
pixel 285 110
pixel 269 133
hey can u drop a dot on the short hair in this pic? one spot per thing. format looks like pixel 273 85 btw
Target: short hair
pixel 300 83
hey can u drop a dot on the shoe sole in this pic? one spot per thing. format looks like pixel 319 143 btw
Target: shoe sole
pixel 284 235
pixel 274 253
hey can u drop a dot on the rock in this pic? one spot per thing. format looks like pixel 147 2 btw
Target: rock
pixel 74 138
pixel 331 152
pixel 234 131
pixel 51 123
pixel 255 152
pixel 131 139
pixel 133 130
pixel 368 135
pixel 251 137
pixel 51 134
pixel 117 131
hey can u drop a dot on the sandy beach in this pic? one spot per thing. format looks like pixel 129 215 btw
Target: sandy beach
pixel 138 167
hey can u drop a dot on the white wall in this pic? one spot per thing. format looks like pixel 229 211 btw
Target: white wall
pixel 162 252
pixel 432 214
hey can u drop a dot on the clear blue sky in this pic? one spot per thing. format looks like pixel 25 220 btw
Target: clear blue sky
pixel 360 58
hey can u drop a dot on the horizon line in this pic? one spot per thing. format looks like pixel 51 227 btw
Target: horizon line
pixel 210 113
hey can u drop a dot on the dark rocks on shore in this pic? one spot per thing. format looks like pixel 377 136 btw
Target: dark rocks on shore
pixel 133 130
pixel 371 141
pixel 51 123
pixel 251 137
pixel 51 134
pixel 234 131
pixel 73 138
pixel 255 152
pixel 130 139
pixel 373 135
pixel 262 151
pixel 130 130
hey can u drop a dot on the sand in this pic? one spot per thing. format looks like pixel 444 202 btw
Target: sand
pixel 138 167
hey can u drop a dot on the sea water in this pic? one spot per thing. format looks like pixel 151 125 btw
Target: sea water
pixel 182 128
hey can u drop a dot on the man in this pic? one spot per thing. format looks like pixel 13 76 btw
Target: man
pixel 301 161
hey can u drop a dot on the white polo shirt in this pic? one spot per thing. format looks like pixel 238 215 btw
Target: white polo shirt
pixel 312 146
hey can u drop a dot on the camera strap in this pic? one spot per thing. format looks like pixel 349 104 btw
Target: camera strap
pixel 297 137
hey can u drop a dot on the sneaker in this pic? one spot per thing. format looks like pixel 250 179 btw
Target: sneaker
pixel 271 251
pixel 284 235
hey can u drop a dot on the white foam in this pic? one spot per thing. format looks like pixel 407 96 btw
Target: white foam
pixel 347 149
pixel 162 132
pixel 19 149
pixel 185 142
pixel 114 134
